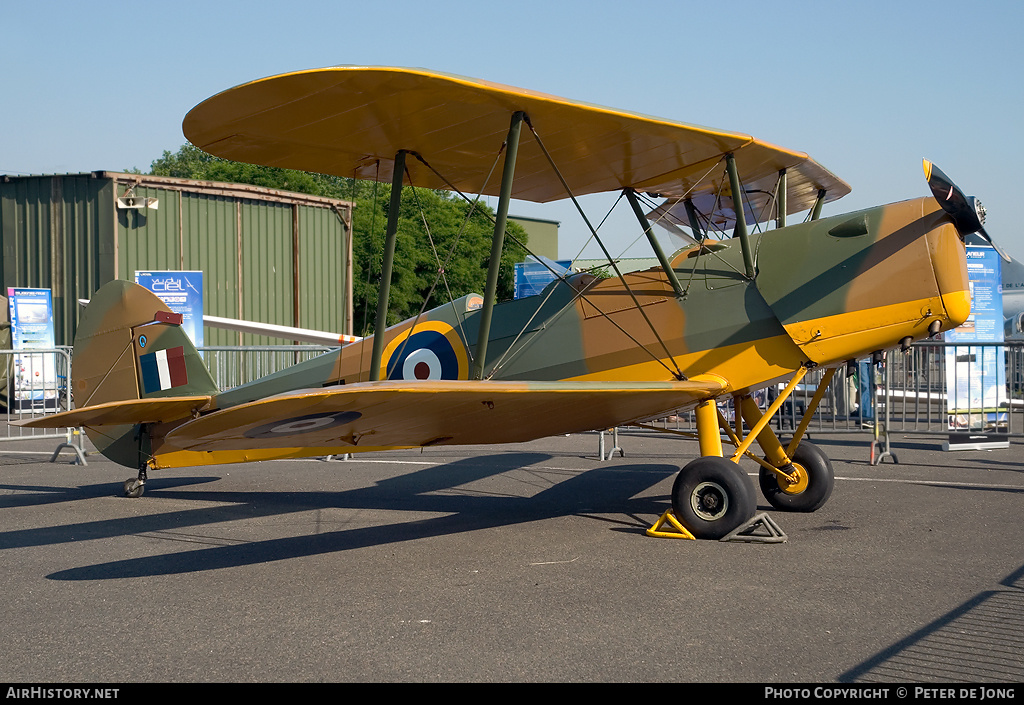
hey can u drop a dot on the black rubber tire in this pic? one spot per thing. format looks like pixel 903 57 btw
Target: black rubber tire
pixel 133 488
pixel 711 496
pixel 812 461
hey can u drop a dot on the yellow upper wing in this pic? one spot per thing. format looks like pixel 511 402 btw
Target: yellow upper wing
pixel 351 121
pixel 425 413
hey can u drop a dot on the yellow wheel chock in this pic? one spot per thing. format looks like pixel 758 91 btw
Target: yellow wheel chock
pixel 669 518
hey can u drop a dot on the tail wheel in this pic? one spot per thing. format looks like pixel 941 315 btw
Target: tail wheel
pixel 133 488
pixel 813 487
pixel 712 496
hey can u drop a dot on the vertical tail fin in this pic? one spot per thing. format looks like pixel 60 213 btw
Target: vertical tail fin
pixel 129 345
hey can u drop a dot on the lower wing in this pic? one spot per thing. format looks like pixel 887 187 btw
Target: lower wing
pixel 428 413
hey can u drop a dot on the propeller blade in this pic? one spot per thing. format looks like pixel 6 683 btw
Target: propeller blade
pixel 989 240
pixel 951 198
pixel 966 211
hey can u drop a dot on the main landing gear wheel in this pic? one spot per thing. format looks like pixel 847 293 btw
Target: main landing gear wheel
pixel 815 480
pixel 712 496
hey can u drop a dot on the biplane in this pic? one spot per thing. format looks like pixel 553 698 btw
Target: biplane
pixel 734 312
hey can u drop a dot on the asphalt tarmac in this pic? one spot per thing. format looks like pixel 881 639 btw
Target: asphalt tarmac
pixel 509 564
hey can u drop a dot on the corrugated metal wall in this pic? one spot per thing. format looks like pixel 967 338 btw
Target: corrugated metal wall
pixel 325 269
pixel 266 266
pixel 57 233
pixel 216 257
pixel 148 238
pixel 266 256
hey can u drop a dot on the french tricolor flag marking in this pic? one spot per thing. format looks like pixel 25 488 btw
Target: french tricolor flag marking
pixel 163 369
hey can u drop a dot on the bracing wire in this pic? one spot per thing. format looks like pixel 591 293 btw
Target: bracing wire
pixel 506 356
pixel 678 372
pixel 442 266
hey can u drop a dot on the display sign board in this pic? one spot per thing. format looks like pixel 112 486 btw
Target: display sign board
pixel 976 374
pixel 532 276
pixel 183 293
pixel 34 374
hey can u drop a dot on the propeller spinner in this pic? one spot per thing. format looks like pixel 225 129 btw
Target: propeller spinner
pixel 966 211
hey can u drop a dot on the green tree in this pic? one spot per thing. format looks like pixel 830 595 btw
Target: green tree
pixel 461 233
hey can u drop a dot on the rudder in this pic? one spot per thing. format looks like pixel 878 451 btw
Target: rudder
pixel 130 345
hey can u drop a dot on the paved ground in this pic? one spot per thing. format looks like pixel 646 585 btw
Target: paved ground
pixel 513 563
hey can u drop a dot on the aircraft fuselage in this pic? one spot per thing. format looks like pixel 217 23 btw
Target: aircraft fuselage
pixel 825 291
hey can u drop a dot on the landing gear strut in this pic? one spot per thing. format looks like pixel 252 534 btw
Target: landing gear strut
pixel 712 497
pixel 134 487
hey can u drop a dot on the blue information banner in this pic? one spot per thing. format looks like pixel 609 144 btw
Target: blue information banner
pixel 183 293
pixel 532 277
pixel 35 375
pixel 976 374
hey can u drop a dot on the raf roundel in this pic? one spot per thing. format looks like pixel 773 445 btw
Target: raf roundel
pixel 302 424
pixel 433 351
pixel 422 364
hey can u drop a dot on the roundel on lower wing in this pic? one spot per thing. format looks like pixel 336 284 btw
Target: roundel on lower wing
pixel 433 351
pixel 302 424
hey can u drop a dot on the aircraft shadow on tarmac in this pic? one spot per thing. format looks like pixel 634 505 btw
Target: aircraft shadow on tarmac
pixel 980 641
pixel 598 490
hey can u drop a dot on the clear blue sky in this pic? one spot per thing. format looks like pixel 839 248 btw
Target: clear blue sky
pixel 868 89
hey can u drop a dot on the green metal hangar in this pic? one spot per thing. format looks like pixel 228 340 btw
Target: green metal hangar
pixel 266 255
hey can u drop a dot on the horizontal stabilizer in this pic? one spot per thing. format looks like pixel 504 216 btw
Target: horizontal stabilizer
pixel 125 412
pixel 424 413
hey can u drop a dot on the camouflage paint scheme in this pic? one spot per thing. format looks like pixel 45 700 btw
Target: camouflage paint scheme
pixel 819 296
pixel 582 355
pixel 826 291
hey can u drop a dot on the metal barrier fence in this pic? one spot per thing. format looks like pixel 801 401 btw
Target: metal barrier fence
pixel 34 383
pixel 839 411
pixel 932 388
pixel 954 387
pixel 233 366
